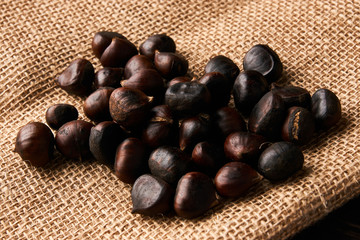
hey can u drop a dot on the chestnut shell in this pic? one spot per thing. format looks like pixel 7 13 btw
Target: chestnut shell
pixel 59 114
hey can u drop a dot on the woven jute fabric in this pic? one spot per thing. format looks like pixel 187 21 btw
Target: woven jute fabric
pixel 317 41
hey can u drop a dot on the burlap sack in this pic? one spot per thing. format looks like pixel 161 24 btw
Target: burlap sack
pixel 317 41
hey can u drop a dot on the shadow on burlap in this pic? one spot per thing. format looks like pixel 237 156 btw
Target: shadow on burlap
pixel 317 41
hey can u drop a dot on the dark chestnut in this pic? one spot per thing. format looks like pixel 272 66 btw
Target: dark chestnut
pixel 244 147
pixel 299 126
pixel 35 143
pixel 192 131
pixel 130 160
pixel 77 78
pixel 137 63
pixel 108 77
pixel 151 196
pixel 235 178
pixel 96 105
pixel 187 98
pixel 157 42
pixel 263 59
pixel 280 161
pixel 208 157
pixel 293 96
pixel 195 194
pixel 326 108
pixel 118 53
pixel 227 120
pixel 177 80
pixel 161 129
pixel 267 116
pixel 59 114
pixel 225 66
pixel 170 64
pixel 218 86
pixel 104 139
pixel 102 40
pixel 169 163
pixel 72 139
pixel 249 87
pixel 129 107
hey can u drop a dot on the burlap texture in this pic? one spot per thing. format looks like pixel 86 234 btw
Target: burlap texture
pixel 317 41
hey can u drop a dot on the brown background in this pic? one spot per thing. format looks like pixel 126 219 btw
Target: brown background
pixel 317 41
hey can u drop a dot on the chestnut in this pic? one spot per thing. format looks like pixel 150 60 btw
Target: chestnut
pixel 108 77
pixel 326 108
pixel 151 195
pixel 177 80
pixel 35 143
pixel 170 64
pixel 263 59
pixel 157 42
pixel 77 78
pixel 225 66
pixel 130 160
pixel 104 139
pixel 267 116
pixel 249 87
pixel 169 163
pixel 227 120
pixel 102 40
pixel 96 105
pixel 244 147
pixel 187 98
pixel 59 114
pixel 235 178
pixel 208 157
pixel 118 53
pixel 129 107
pixel 280 161
pixel 218 86
pixel 137 63
pixel 195 194
pixel 299 126
pixel 293 96
pixel 72 139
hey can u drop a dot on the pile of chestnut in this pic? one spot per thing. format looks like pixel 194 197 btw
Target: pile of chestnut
pixel 174 137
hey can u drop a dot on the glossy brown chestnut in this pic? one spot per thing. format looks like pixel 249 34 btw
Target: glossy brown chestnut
pixel 249 87
pixel 263 59
pixel 280 161
pixel 169 163
pixel 151 195
pixel 326 108
pixel 226 121
pixel 130 160
pixel 170 65
pixel 137 63
pixel 218 86
pixel 187 98
pixel 299 126
pixel 195 194
pixel 104 138
pixel 59 114
pixel 72 139
pixel 118 53
pixel 102 40
pixel 208 157
pixel 235 178
pixel 157 42
pixel 129 107
pixel 244 147
pixel 293 96
pixel 108 77
pixel 267 116
pixel 177 80
pixel 77 78
pixel 96 105
pixel 35 143
pixel 225 66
